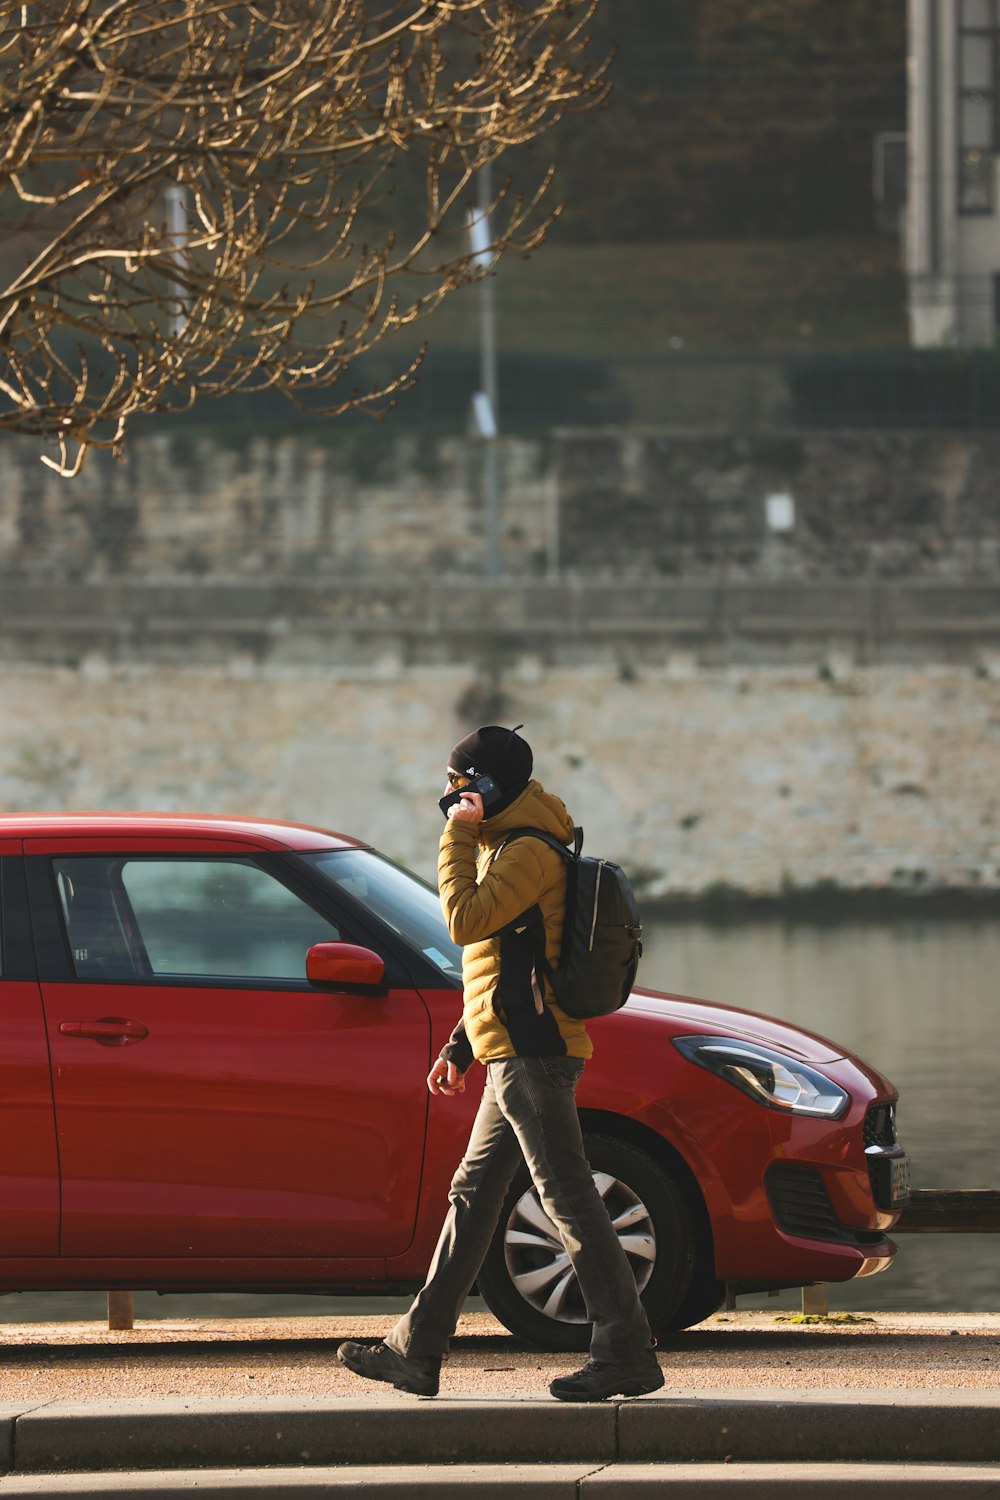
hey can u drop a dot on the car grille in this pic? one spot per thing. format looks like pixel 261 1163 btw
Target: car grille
pixel 880 1131
pixel 800 1202
pixel 880 1125
pixel 801 1206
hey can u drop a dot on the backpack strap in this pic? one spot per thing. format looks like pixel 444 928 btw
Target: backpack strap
pixel 572 856
pixel 548 838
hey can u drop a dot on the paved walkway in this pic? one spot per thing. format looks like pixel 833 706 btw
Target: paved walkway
pixel 734 1352
pixel 754 1403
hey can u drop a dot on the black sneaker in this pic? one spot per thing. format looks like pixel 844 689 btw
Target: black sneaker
pixel 597 1381
pixel 418 1376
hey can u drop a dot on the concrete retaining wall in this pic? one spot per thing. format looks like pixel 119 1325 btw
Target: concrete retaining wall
pixel 410 621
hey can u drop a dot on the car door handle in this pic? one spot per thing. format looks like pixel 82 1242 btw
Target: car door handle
pixel 112 1031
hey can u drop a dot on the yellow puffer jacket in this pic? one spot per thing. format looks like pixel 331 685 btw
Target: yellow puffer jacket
pixel 509 1011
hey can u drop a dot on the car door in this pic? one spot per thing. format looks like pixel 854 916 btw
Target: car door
pixel 29 1169
pixel 209 1101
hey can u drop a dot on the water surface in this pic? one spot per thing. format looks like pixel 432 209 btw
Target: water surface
pixel 919 1000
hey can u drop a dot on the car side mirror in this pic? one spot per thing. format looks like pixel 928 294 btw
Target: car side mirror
pixel 344 965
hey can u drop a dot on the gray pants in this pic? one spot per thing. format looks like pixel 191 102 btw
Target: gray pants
pixel 528 1109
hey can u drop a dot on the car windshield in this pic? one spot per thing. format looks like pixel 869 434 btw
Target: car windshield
pixel 397 897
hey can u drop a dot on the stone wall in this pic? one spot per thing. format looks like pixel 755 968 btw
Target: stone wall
pixel 763 778
pixel 869 504
pixel 283 626
pixel 387 502
pixel 191 505
pixel 393 623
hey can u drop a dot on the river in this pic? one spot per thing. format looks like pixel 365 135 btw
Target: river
pixel 919 1000
pixel 915 997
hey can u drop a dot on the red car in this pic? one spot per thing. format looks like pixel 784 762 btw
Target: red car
pixel 215 1038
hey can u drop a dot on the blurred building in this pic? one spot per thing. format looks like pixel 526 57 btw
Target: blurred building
pixel 952 225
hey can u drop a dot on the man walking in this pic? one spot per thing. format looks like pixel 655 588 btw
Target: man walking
pixel 496 901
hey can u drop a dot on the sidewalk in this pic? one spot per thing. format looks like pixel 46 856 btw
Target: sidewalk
pixel 733 1352
pixel 754 1402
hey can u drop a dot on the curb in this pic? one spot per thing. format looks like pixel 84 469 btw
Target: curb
pixel 885 1427
pixel 530 1482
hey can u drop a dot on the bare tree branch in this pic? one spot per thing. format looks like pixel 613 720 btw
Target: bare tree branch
pixel 289 126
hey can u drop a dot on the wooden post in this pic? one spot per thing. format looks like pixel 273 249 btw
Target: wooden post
pixel 121 1310
pixel 815 1300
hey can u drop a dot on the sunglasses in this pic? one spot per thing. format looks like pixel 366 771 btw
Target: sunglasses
pixel 458 779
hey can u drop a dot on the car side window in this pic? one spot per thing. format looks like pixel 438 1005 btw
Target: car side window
pixel 98 937
pixel 132 917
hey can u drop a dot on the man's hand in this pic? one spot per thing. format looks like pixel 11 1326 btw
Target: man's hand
pixel 444 1078
pixel 469 810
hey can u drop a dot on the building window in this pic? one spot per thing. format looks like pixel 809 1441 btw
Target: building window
pixel 978 136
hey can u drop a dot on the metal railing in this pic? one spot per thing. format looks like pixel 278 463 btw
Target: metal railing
pixel 951 1211
pixel 929 1211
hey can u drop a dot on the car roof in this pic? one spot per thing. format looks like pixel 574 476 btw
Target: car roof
pixel 261 833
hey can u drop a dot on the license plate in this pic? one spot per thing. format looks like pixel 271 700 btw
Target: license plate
pixel 899 1179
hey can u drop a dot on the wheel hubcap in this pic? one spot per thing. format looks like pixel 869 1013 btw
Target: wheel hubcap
pixel 539 1266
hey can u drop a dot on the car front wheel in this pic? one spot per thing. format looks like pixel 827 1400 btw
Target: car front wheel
pixel 527 1280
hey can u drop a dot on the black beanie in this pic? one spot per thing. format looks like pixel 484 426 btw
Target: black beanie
pixel 500 753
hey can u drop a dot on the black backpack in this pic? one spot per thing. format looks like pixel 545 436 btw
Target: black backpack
pixel 602 934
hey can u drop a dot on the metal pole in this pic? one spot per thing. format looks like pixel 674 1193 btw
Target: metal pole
pixel 489 384
pixel 934 140
pixel 176 197
pixel 553 518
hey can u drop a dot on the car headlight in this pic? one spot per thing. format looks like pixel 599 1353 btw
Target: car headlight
pixel 774 1080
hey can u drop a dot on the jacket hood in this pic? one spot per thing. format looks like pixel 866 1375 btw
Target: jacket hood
pixel 534 808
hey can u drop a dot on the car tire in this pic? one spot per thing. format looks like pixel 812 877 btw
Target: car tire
pixel 705 1297
pixel 635 1188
